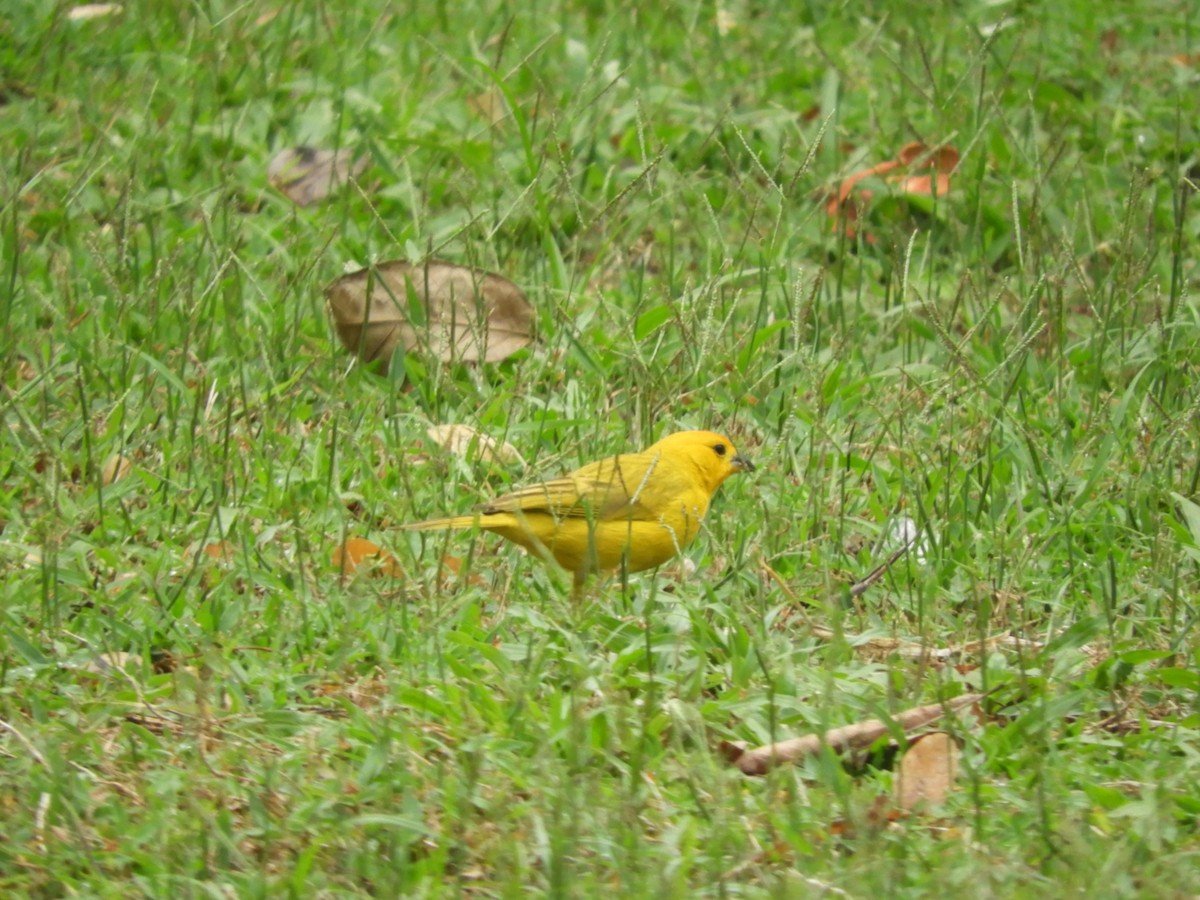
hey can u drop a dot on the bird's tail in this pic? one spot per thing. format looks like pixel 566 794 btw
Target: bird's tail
pixel 442 524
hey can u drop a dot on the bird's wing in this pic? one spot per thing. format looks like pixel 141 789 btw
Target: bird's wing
pixel 608 489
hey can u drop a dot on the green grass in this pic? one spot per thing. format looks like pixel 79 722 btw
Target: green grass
pixel 1013 365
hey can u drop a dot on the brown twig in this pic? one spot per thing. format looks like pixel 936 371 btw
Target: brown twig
pixel 860 734
pixel 860 587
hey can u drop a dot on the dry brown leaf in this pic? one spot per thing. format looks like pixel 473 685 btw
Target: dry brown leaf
pixel 359 553
pixel 489 106
pixel 879 814
pixel 453 312
pixel 307 175
pixel 114 660
pixel 465 441
pixel 115 468
pixel 882 647
pixel 927 771
pixel 121 581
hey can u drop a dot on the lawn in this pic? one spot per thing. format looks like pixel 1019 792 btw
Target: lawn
pixel 931 266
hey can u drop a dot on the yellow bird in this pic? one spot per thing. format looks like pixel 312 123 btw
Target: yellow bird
pixel 639 509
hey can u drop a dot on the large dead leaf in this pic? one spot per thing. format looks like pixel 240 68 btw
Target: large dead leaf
pixel 925 778
pixel 307 175
pixel 454 313
pixel 927 771
pixel 465 441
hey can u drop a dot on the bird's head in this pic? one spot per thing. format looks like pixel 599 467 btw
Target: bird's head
pixel 712 455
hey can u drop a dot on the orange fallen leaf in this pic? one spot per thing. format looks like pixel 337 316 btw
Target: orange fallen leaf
pixel 358 553
pixel 943 159
pixel 454 565
pixel 846 204
pixel 221 551
pixel 847 185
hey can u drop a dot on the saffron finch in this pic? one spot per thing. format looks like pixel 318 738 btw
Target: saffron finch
pixel 639 509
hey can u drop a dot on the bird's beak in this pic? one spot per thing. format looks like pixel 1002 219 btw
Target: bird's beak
pixel 741 462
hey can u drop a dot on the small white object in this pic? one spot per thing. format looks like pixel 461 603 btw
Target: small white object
pixel 93 11
pixel 904 532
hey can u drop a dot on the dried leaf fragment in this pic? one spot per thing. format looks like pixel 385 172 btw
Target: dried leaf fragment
pixel 453 566
pixel 489 106
pixel 221 551
pixel 113 661
pixel 218 551
pixel 306 175
pixel 465 441
pixel 927 771
pixel 115 468
pixel 454 313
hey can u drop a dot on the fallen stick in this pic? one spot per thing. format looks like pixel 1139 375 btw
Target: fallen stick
pixel 860 734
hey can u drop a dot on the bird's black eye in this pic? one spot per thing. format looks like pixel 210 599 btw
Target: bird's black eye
pixel 720 448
